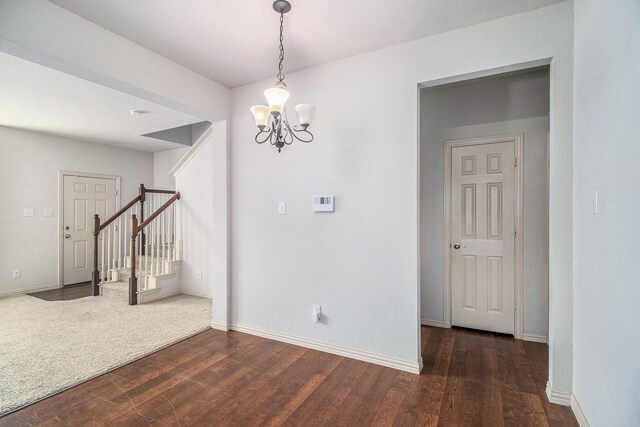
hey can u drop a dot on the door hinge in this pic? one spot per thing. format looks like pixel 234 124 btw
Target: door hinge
pixel 515 233
pixel 515 162
pixel 117 192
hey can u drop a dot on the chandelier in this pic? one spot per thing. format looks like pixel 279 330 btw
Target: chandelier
pixel 272 120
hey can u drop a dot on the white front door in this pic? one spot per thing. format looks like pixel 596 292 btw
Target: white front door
pixel 83 198
pixel 483 236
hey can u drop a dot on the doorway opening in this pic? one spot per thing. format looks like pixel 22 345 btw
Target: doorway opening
pixel 484 245
pixel 82 195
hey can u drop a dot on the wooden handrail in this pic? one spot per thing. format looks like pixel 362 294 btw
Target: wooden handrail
pixel 153 216
pixel 120 212
pixel 138 198
pixel 149 190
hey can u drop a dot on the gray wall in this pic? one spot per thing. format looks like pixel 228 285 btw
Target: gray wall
pixel 497 106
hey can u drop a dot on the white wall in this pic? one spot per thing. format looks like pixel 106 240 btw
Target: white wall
pixel 514 104
pixel 607 152
pixel 163 162
pixel 29 167
pixel 364 269
pixel 202 183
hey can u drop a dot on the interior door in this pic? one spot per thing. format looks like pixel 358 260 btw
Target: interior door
pixel 483 236
pixel 83 198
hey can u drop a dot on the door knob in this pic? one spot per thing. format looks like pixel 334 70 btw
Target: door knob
pixel 66 236
pixel 456 246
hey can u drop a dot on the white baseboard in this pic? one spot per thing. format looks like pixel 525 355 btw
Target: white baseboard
pixel 558 397
pixel 435 323
pixel 195 294
pixel 220 326
pixel 577 411
pixel 534 337
pixel 30 290
pixel 378 359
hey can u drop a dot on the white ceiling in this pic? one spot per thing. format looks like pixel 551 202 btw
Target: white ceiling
pixel 235 42
pixel 37 98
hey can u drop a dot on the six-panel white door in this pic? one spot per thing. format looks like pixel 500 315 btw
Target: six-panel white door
pixel 483 236
pixel 83 198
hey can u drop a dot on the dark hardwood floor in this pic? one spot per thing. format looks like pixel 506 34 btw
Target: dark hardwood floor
pixel 65 293
pixel 233 379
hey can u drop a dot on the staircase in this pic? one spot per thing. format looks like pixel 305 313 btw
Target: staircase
pixel 137 259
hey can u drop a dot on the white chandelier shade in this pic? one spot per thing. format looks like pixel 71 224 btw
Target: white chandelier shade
pixel 260 114
pixel 276 97
pixel 305 113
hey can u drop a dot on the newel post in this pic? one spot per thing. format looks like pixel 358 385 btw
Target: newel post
pixel 95 275
pixel 133 280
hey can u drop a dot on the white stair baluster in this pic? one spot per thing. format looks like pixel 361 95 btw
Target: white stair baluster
pixel 146 255
pixel 120 242
pixel 162 235
pixel 102 266
pixel 173 232
pixel 140 272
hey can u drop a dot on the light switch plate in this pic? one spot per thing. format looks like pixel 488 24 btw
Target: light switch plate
pixel 29 212
pixel 48 212
pixel 282 208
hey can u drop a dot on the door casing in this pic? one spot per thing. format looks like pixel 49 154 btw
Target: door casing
pixel 61 175
pixel 519 210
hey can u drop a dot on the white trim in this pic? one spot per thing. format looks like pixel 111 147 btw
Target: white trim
pixel 534 337
pixel 204 138
pixel 518 140
pixel 413 367
pixel 195 294
pixel 61 175
pixel 577 411
pixel 522 66
pixel 29 290
pixel 220 326
pixel 558 397
pixel 434 323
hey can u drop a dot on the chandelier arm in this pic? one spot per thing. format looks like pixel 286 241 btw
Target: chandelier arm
pixel 295 132
pixel 287 139
pixel 267 131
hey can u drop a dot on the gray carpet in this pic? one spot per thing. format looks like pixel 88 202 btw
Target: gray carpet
pixel 48 346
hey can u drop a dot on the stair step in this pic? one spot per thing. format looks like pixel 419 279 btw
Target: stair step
pixel 116 290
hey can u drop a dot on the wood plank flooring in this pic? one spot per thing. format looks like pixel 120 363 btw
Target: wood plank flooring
pixel 65 293
pixel 233 379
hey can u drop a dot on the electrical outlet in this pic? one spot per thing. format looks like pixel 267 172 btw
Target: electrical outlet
pixel 16 274
pixel 199 274
pixel 316 313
